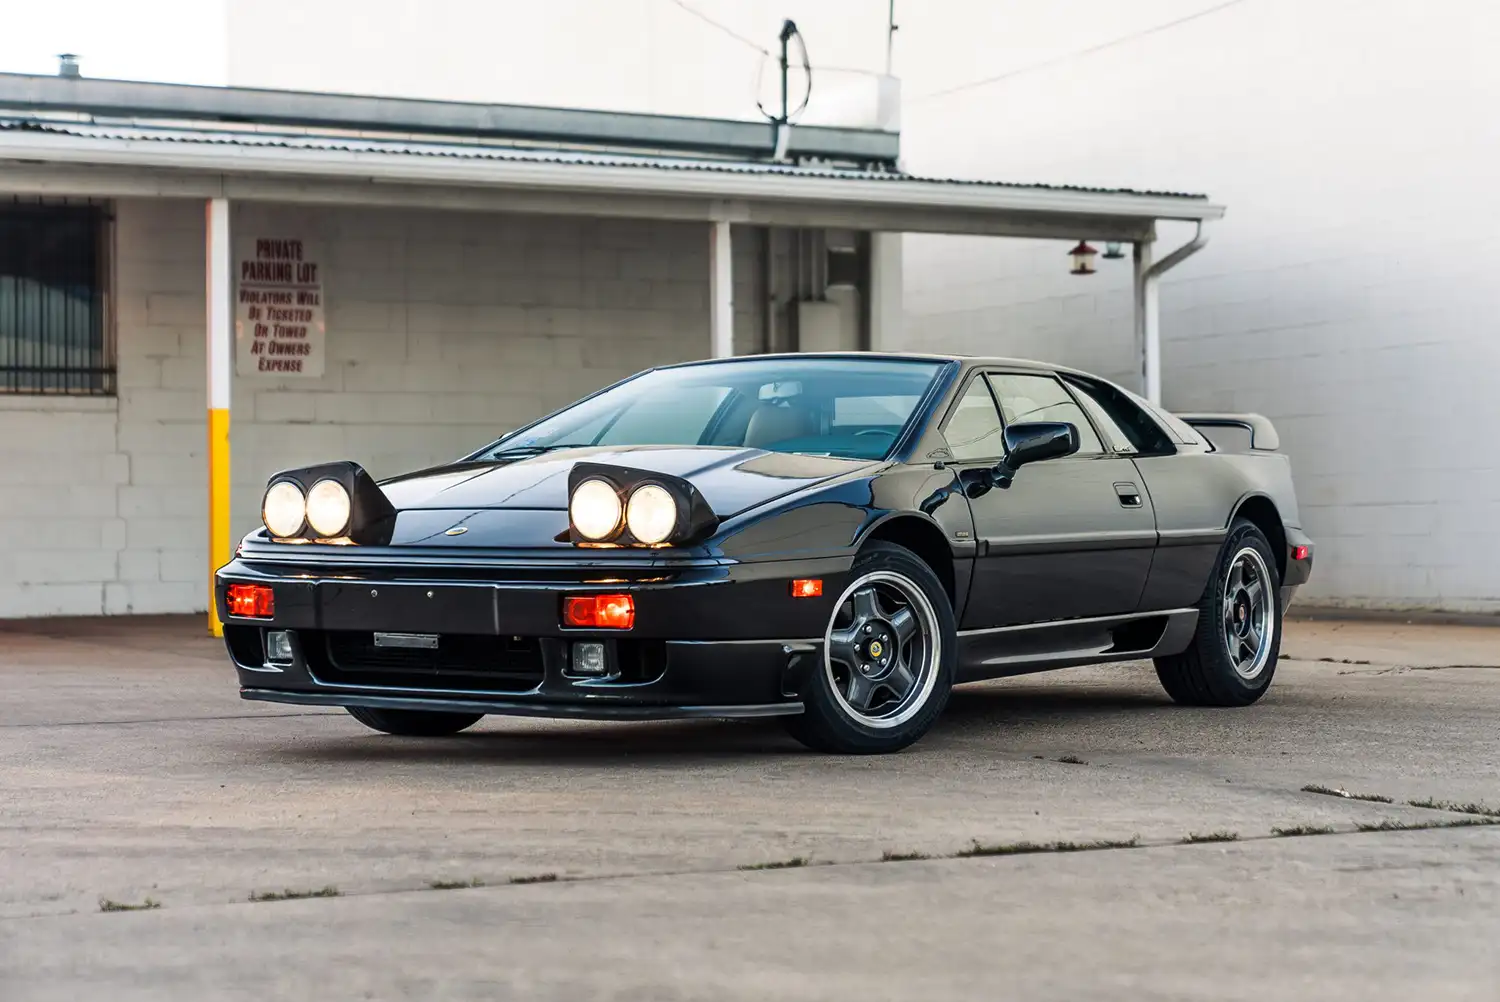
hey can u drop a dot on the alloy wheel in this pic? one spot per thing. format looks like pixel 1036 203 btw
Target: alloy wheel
pixel 1249 612
pixel 882 649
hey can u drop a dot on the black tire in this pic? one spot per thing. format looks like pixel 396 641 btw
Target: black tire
pixel 830 723
pixel 414 723
pixel 1206 674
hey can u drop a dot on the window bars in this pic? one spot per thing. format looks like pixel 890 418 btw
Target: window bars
pixel 54 334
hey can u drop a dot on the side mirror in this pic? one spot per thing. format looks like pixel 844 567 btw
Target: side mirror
pixel 1035 441
pixel 1028 442
pixel 1032 442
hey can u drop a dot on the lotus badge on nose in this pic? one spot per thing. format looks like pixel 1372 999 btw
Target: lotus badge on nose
pixel 457 530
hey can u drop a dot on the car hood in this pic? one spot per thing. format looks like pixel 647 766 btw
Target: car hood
pixel 730 479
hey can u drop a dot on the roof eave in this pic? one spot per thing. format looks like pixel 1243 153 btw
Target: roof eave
pixel 913 205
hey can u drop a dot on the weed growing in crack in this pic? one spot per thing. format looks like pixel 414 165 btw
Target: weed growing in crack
pixel 1071 760
pixel 1329 791
pixel 1293 831
pixel 149 905
pixel 1482 810
pixel 902 857
pixel 1193 838
pixel 540 878
pixel 1409 826
pixel 290 895
pixel 454 885
pixel 1023 848
pixel 780 864
pixel 1003 849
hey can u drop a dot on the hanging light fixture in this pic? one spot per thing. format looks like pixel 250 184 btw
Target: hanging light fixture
pixel 1083 259
pixel 1113 251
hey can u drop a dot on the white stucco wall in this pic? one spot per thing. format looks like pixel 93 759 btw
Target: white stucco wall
pixel 444 330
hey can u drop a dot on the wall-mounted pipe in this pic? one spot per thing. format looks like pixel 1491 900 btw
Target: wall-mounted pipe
pixel 1148 305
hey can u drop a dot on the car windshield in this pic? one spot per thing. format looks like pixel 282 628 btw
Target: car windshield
pixel 854 408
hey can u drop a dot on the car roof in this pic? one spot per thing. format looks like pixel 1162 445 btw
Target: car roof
pixel 914 356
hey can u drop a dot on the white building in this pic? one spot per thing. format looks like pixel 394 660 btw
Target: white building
pixel 1345 295
pixel 1342 296
pixel 188 306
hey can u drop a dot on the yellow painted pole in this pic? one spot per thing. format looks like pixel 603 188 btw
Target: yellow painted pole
pixel 220 367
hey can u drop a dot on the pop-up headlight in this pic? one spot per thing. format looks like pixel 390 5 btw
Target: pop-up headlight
pixel 334 501
pixel 628 507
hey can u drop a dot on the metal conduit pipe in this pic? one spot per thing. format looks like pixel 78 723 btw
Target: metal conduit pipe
pixel 1148 305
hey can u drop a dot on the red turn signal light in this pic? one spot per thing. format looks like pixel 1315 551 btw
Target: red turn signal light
pixel 251 601
pixel 1299 553
pixel 807 588
pixel 599 612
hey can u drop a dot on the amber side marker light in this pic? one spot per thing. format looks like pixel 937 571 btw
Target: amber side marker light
pixel 807 588
pixel 251 601
pixel 599 612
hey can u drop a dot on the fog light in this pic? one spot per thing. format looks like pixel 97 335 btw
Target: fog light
pixel 250 601
pixel 278 647
pixel 588 659
pixel 599 612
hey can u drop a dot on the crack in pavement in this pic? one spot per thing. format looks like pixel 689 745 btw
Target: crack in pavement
pixel 991 853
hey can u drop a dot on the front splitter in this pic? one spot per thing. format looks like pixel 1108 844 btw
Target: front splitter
pixel 516 708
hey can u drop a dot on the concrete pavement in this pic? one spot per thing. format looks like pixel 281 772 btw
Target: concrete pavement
pixel 129 769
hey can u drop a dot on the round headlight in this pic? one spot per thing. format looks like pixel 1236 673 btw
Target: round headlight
pixel 284 509
pixel 595 510
pixel 328 508
pixel 651 514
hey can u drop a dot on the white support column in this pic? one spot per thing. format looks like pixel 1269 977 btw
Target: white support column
pixel 1147 322
pixel 219 282
pixel 887 316
pixel 720 290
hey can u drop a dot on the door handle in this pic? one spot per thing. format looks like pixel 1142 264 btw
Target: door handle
pixel 1129 495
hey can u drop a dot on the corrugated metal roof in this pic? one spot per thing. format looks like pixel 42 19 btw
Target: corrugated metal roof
pixel 481 151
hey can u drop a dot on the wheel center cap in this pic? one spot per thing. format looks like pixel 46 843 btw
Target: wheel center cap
pixel 877 650
pixel 1241 612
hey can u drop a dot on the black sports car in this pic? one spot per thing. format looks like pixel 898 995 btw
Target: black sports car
pixel 833 539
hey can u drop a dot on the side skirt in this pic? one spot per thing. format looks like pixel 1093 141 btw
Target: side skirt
pixel 1032 647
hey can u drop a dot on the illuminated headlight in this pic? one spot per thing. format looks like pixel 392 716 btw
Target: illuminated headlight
pixel 328 508
pixel 284 509
pixel 651 514
pixel 595 510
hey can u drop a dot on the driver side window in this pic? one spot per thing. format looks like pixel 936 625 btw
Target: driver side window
pixel 1026 397
pixel 973 430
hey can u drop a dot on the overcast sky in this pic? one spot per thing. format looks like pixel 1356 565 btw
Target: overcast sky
pixel 173 40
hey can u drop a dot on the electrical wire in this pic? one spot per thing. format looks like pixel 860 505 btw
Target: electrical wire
pixel 1047 63
pixel 722 27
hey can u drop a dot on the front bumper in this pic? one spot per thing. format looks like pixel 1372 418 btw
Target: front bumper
pixel 710 640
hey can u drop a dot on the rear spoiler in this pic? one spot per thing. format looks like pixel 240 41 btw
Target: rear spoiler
pixel 1263 435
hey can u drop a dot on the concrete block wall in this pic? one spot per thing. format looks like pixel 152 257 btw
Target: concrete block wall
pixel 444 331
pixel 102 499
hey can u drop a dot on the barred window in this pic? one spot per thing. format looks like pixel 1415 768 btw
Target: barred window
pixel 54 335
